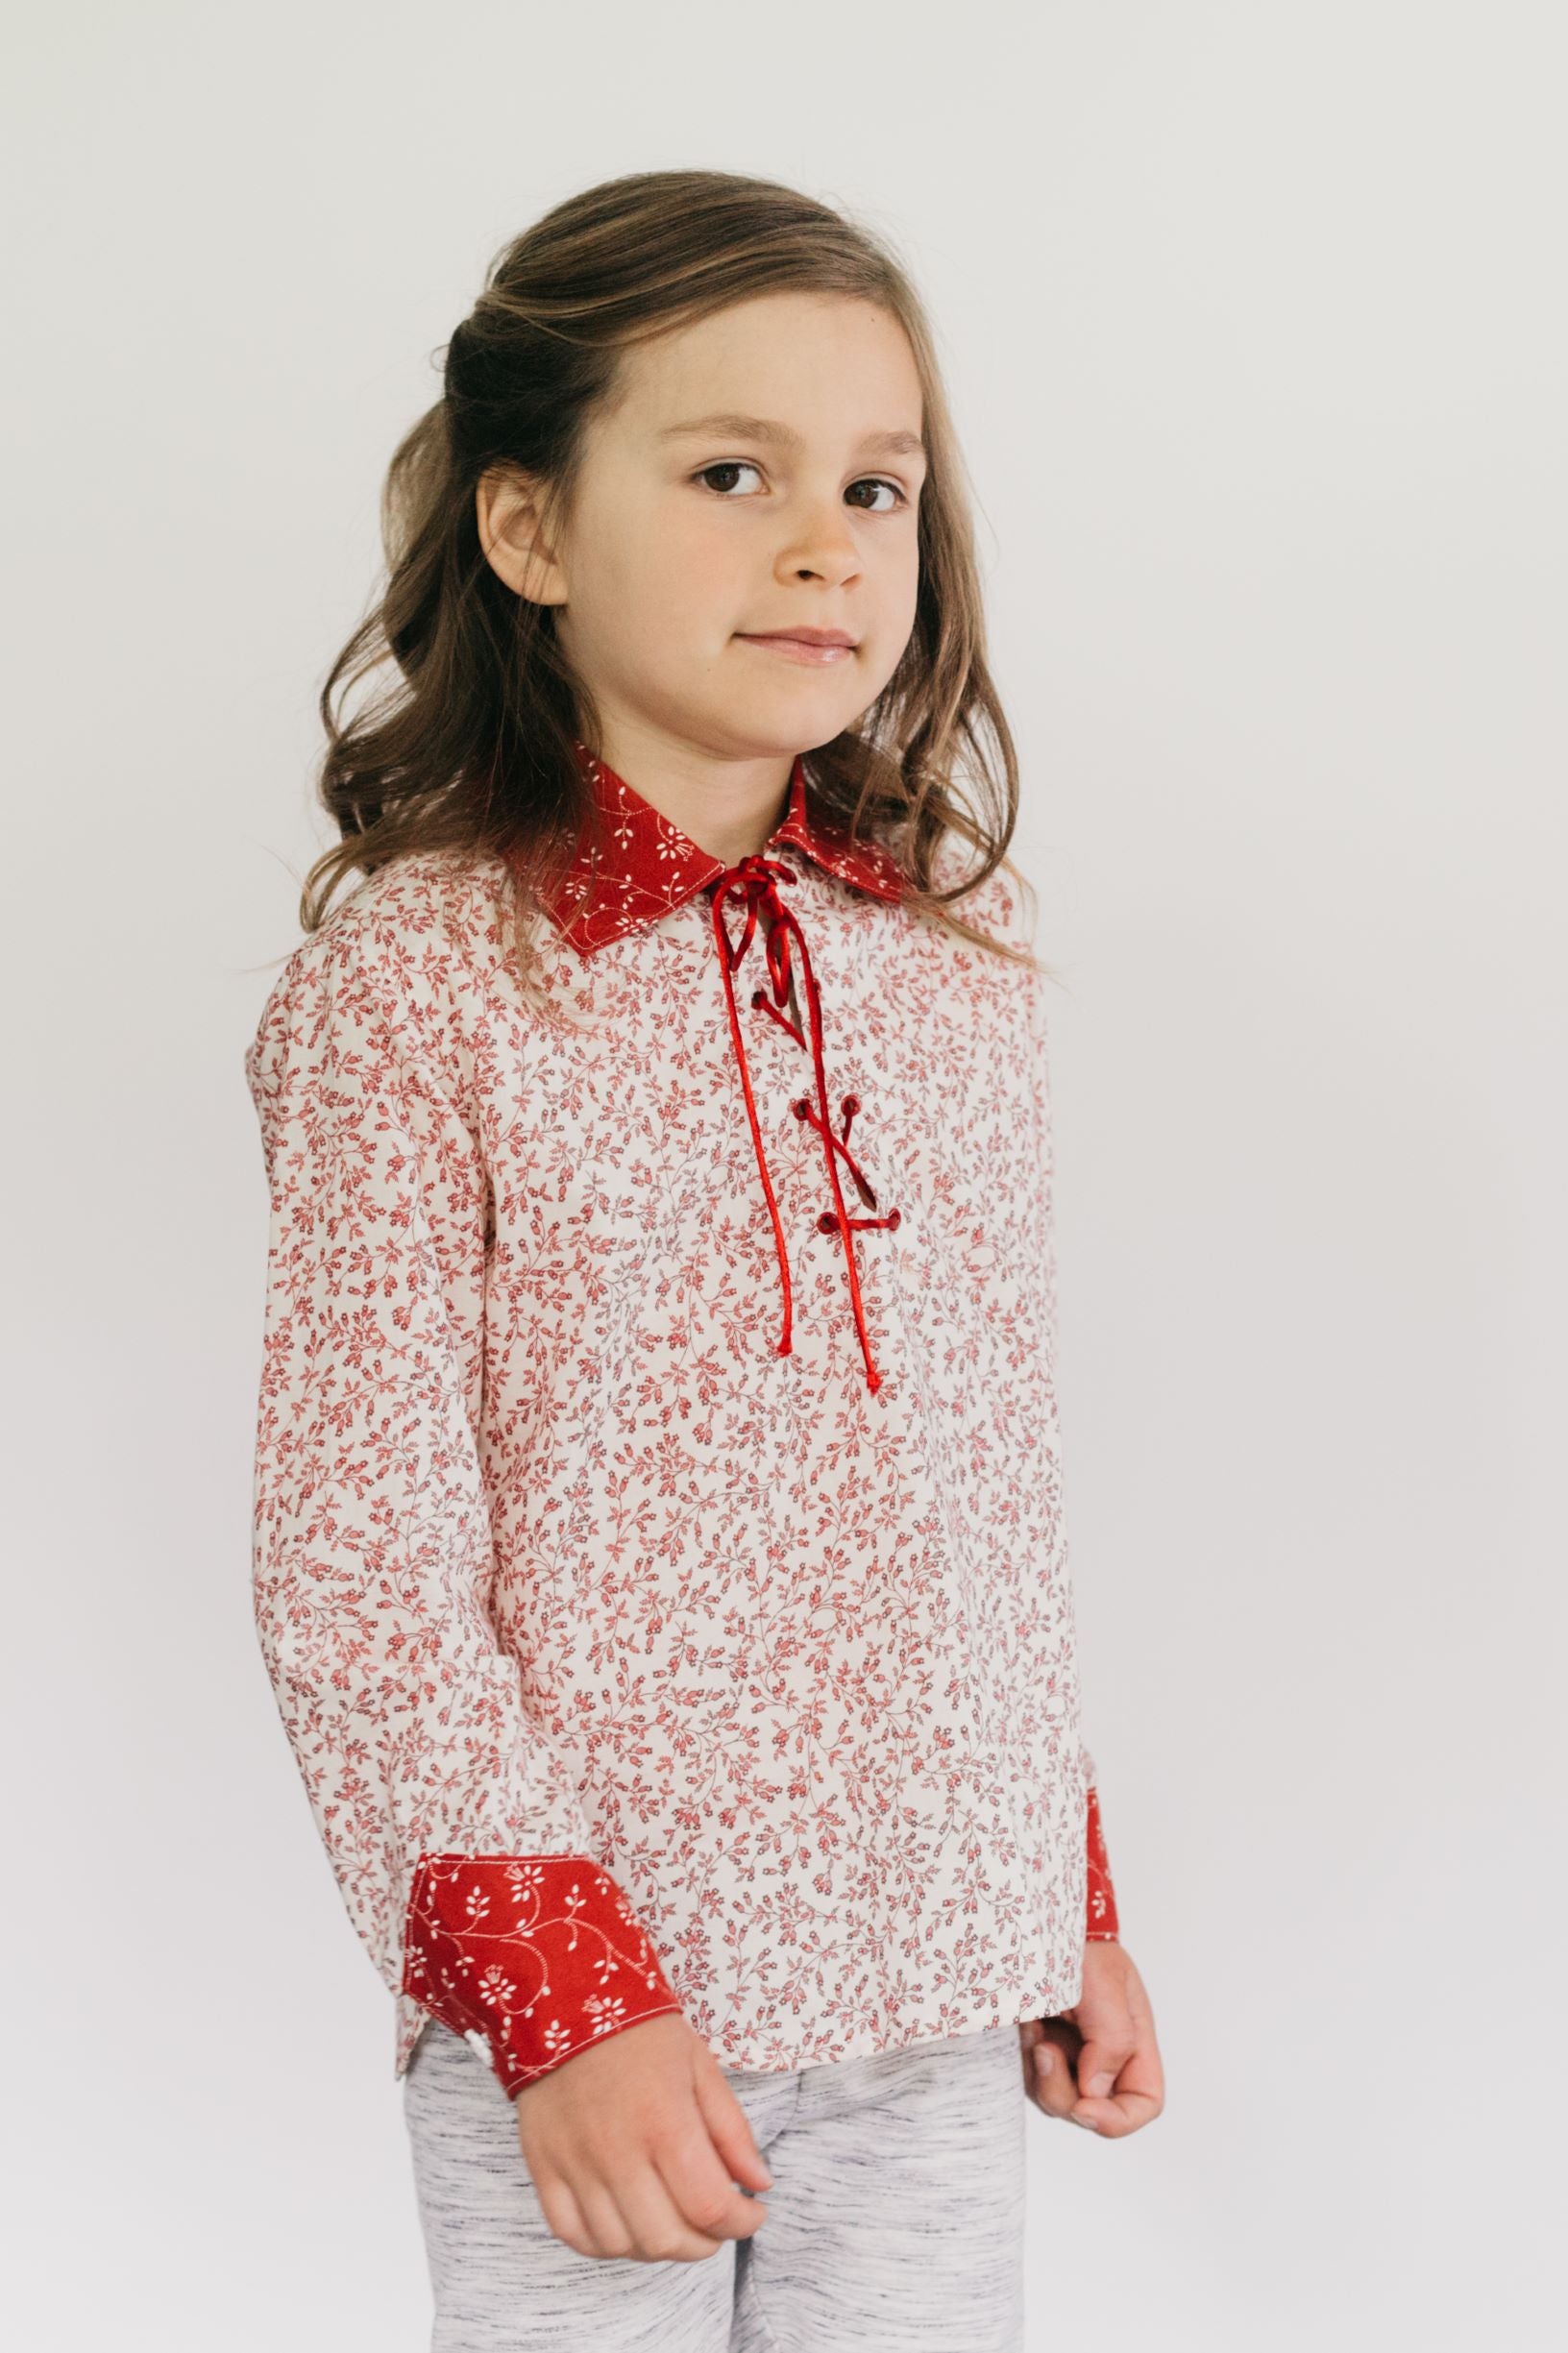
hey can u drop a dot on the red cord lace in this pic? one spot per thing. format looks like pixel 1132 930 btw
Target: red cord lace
pixel 753 885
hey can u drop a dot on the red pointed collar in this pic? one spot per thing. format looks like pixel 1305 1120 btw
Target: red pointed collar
pixel 646 864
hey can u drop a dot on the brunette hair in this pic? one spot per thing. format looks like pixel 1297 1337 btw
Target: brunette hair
pixel 470 746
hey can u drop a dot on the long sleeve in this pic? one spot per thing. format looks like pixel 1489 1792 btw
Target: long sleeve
pixel 451 1822
pixel 1100 1923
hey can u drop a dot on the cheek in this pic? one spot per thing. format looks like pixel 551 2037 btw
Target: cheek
pixel 900 579
pixel 628 615
pixel 704 561
pixel 678 585
pixel 895 580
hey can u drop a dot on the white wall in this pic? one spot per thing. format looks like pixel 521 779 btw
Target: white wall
pixel 1254 321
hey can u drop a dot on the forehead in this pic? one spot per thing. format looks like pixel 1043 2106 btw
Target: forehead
pixel 817 364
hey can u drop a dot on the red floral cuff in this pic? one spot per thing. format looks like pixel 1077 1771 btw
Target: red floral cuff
pixel 538 1955
pixel 1102 1896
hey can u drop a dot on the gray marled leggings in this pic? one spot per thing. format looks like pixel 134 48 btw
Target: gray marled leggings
pixel 894 2221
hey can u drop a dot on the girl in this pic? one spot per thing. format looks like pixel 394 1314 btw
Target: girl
pixel 661 1561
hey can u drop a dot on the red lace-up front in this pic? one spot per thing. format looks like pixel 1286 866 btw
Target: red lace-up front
pixel 753 886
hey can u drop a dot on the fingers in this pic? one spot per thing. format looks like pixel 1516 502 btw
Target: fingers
pixel 1099 2068
pixel 1137 2097
pixel 1121 2078
pixel 1102 2062
pixel 1115 2117
pixel 728 2126
pixel 632 2217
pixel 698 2181
pixel 1048 2070
pixel 652 2228
pixel 635 2155
pixel 561 2211
pixel 607 2235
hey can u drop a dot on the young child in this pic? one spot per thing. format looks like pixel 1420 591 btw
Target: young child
pixel 661 1561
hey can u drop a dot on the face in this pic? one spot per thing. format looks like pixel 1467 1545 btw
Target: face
pixel 695 548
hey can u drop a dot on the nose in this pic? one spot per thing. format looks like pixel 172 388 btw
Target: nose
pixel 822 546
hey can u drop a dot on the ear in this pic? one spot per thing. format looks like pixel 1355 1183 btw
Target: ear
pixel 508 511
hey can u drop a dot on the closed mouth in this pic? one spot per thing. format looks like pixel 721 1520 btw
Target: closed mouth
pixel 802 637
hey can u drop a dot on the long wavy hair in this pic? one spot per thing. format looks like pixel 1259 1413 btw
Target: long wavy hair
pixel 470 742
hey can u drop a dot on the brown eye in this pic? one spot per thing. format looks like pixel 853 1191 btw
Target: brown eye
pixel 729 466
pixel 877 483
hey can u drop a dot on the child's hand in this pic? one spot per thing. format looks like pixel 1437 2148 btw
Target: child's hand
pixel 1097 2063
pixel 635 2143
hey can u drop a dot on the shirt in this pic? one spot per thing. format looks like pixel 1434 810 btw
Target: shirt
pixel 661 1561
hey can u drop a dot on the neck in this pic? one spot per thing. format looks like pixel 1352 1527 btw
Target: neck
pixel 728 807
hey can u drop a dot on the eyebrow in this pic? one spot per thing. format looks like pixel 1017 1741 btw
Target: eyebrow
pixel 767 429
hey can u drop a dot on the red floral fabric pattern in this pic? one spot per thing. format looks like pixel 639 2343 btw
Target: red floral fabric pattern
pixel 531 1957
pixel 1103 1924
pixel 559 1559
pixel 633 865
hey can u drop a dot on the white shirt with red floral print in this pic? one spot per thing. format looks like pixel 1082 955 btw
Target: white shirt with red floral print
pixel 659 1551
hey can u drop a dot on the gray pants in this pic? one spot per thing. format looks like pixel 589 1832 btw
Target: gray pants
pixel 894 2219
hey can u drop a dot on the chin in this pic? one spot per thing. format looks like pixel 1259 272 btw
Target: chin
pixel 808 701
pixel 777 723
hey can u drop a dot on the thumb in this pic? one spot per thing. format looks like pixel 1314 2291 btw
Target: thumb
pixel 729 2127
pixel 1098 2065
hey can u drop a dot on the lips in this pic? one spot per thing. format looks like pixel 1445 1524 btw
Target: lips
pixel 818 648
pixel 801 637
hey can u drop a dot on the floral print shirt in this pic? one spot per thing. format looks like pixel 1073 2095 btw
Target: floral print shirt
pixel 659 1556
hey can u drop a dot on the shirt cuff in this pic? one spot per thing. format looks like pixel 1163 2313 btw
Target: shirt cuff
pixel 531 1957
pixel 1101 1923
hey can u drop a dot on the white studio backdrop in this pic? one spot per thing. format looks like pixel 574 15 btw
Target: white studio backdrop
pixel 1252 318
